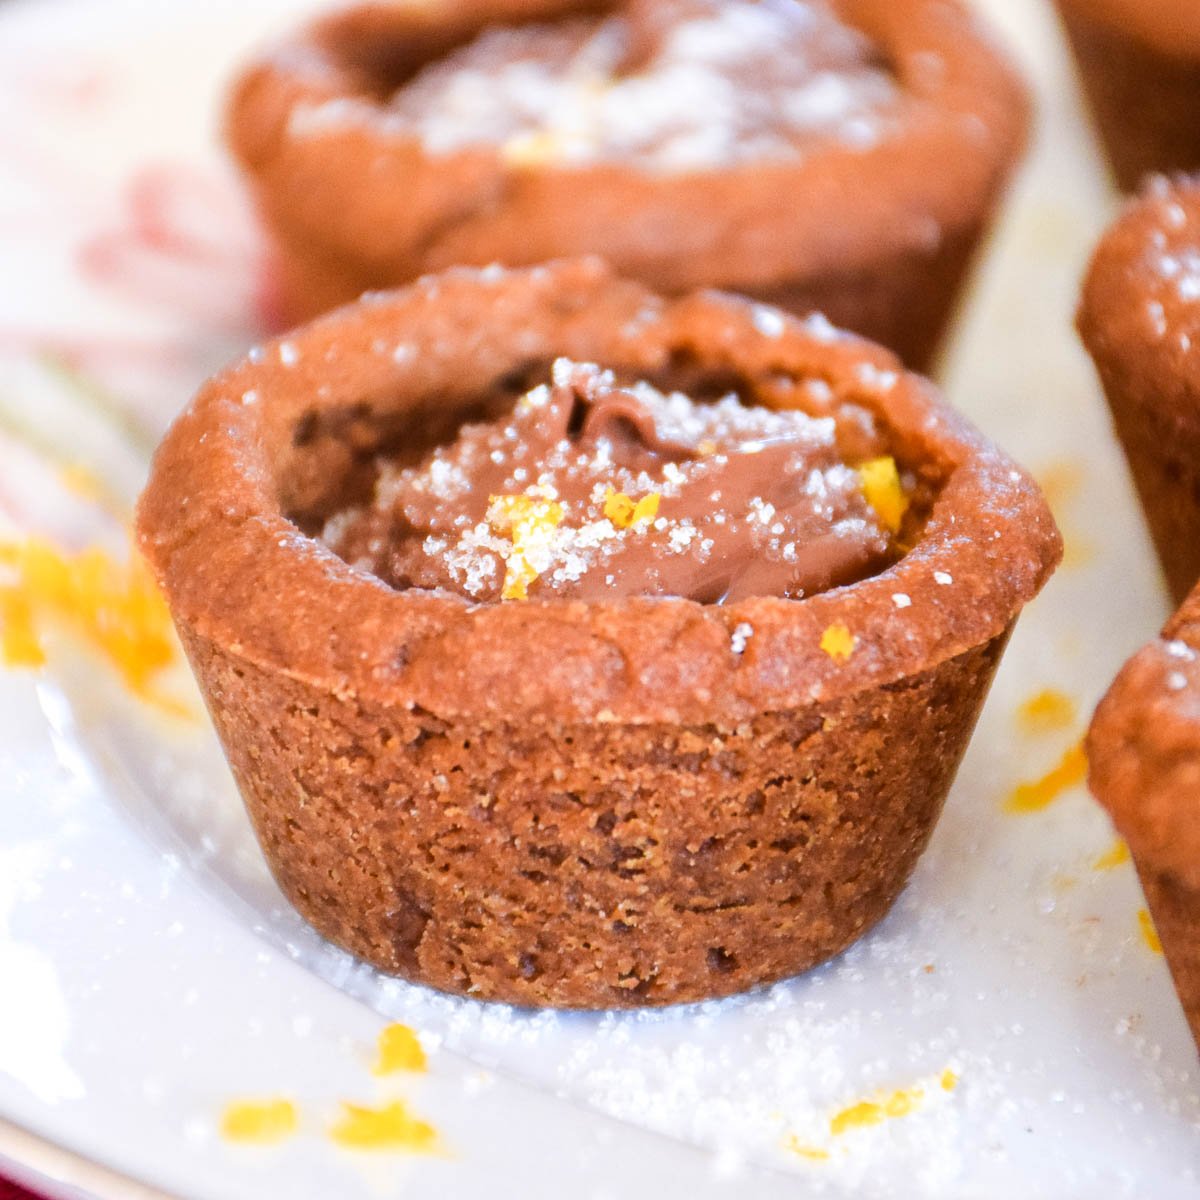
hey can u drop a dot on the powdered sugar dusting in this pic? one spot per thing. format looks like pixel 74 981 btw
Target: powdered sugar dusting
pixel 1182 270
pixel 714 88
pixel 1157 316
pixel 1181 650
pixel 768 321
pixel 639 490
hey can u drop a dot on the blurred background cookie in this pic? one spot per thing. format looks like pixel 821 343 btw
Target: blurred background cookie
pixel 837 157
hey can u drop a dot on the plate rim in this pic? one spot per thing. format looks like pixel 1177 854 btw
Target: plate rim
pixel 52 1165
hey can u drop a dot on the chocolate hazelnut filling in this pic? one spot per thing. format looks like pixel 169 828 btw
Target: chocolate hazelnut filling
pixel 677 84
pixel 592 488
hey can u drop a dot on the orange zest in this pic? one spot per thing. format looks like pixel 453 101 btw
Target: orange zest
pixel 880 481
pixel 865 1113
pixel 19 642
pixel 113 606
pixel 1041 793
pixel 399 1049
pixel 838 642
pixel 875 1112
pixel 392 1127
pixel 1148 932
pixel 1114 856
pixel 1046 711
pixel 625 512
pixel 530 522
pixel 260 1122
pixel 813 1153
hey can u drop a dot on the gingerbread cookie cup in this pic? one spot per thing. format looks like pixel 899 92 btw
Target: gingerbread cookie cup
pixel 601 803
pixel 840 157
pixel 1139 318
pixel 1139 61
pixel 1144 750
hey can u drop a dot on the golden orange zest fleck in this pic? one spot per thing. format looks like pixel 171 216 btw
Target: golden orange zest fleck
pixel 531 149
pixel 624 512
pixel 19 644
pixel 1114 856
pixel 948 1080
pixel 530 522
pixel 392 1127
pixel 838 642
pixel 83 482
pixel 881 486
pixel 813 1153
pixel 113 606
pixel 261 1122
pixel 399 1050
pixel 875 1112
pixel 1077 550
pixel 1149 933
pixel 1041 793
pixel 1061 483
pixel 1047 712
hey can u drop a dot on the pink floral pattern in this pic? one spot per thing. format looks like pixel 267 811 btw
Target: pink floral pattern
pixel 164 277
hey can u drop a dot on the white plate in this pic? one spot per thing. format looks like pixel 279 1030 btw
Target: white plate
pixel 149 970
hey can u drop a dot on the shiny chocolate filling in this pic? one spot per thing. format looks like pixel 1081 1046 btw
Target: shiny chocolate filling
pixel 591 488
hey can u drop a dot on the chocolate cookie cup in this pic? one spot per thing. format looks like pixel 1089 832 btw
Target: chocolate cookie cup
pixel 1139 318
pixel 1144 751
pixel 1139 61
pixel 842 157
pixel 634 801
